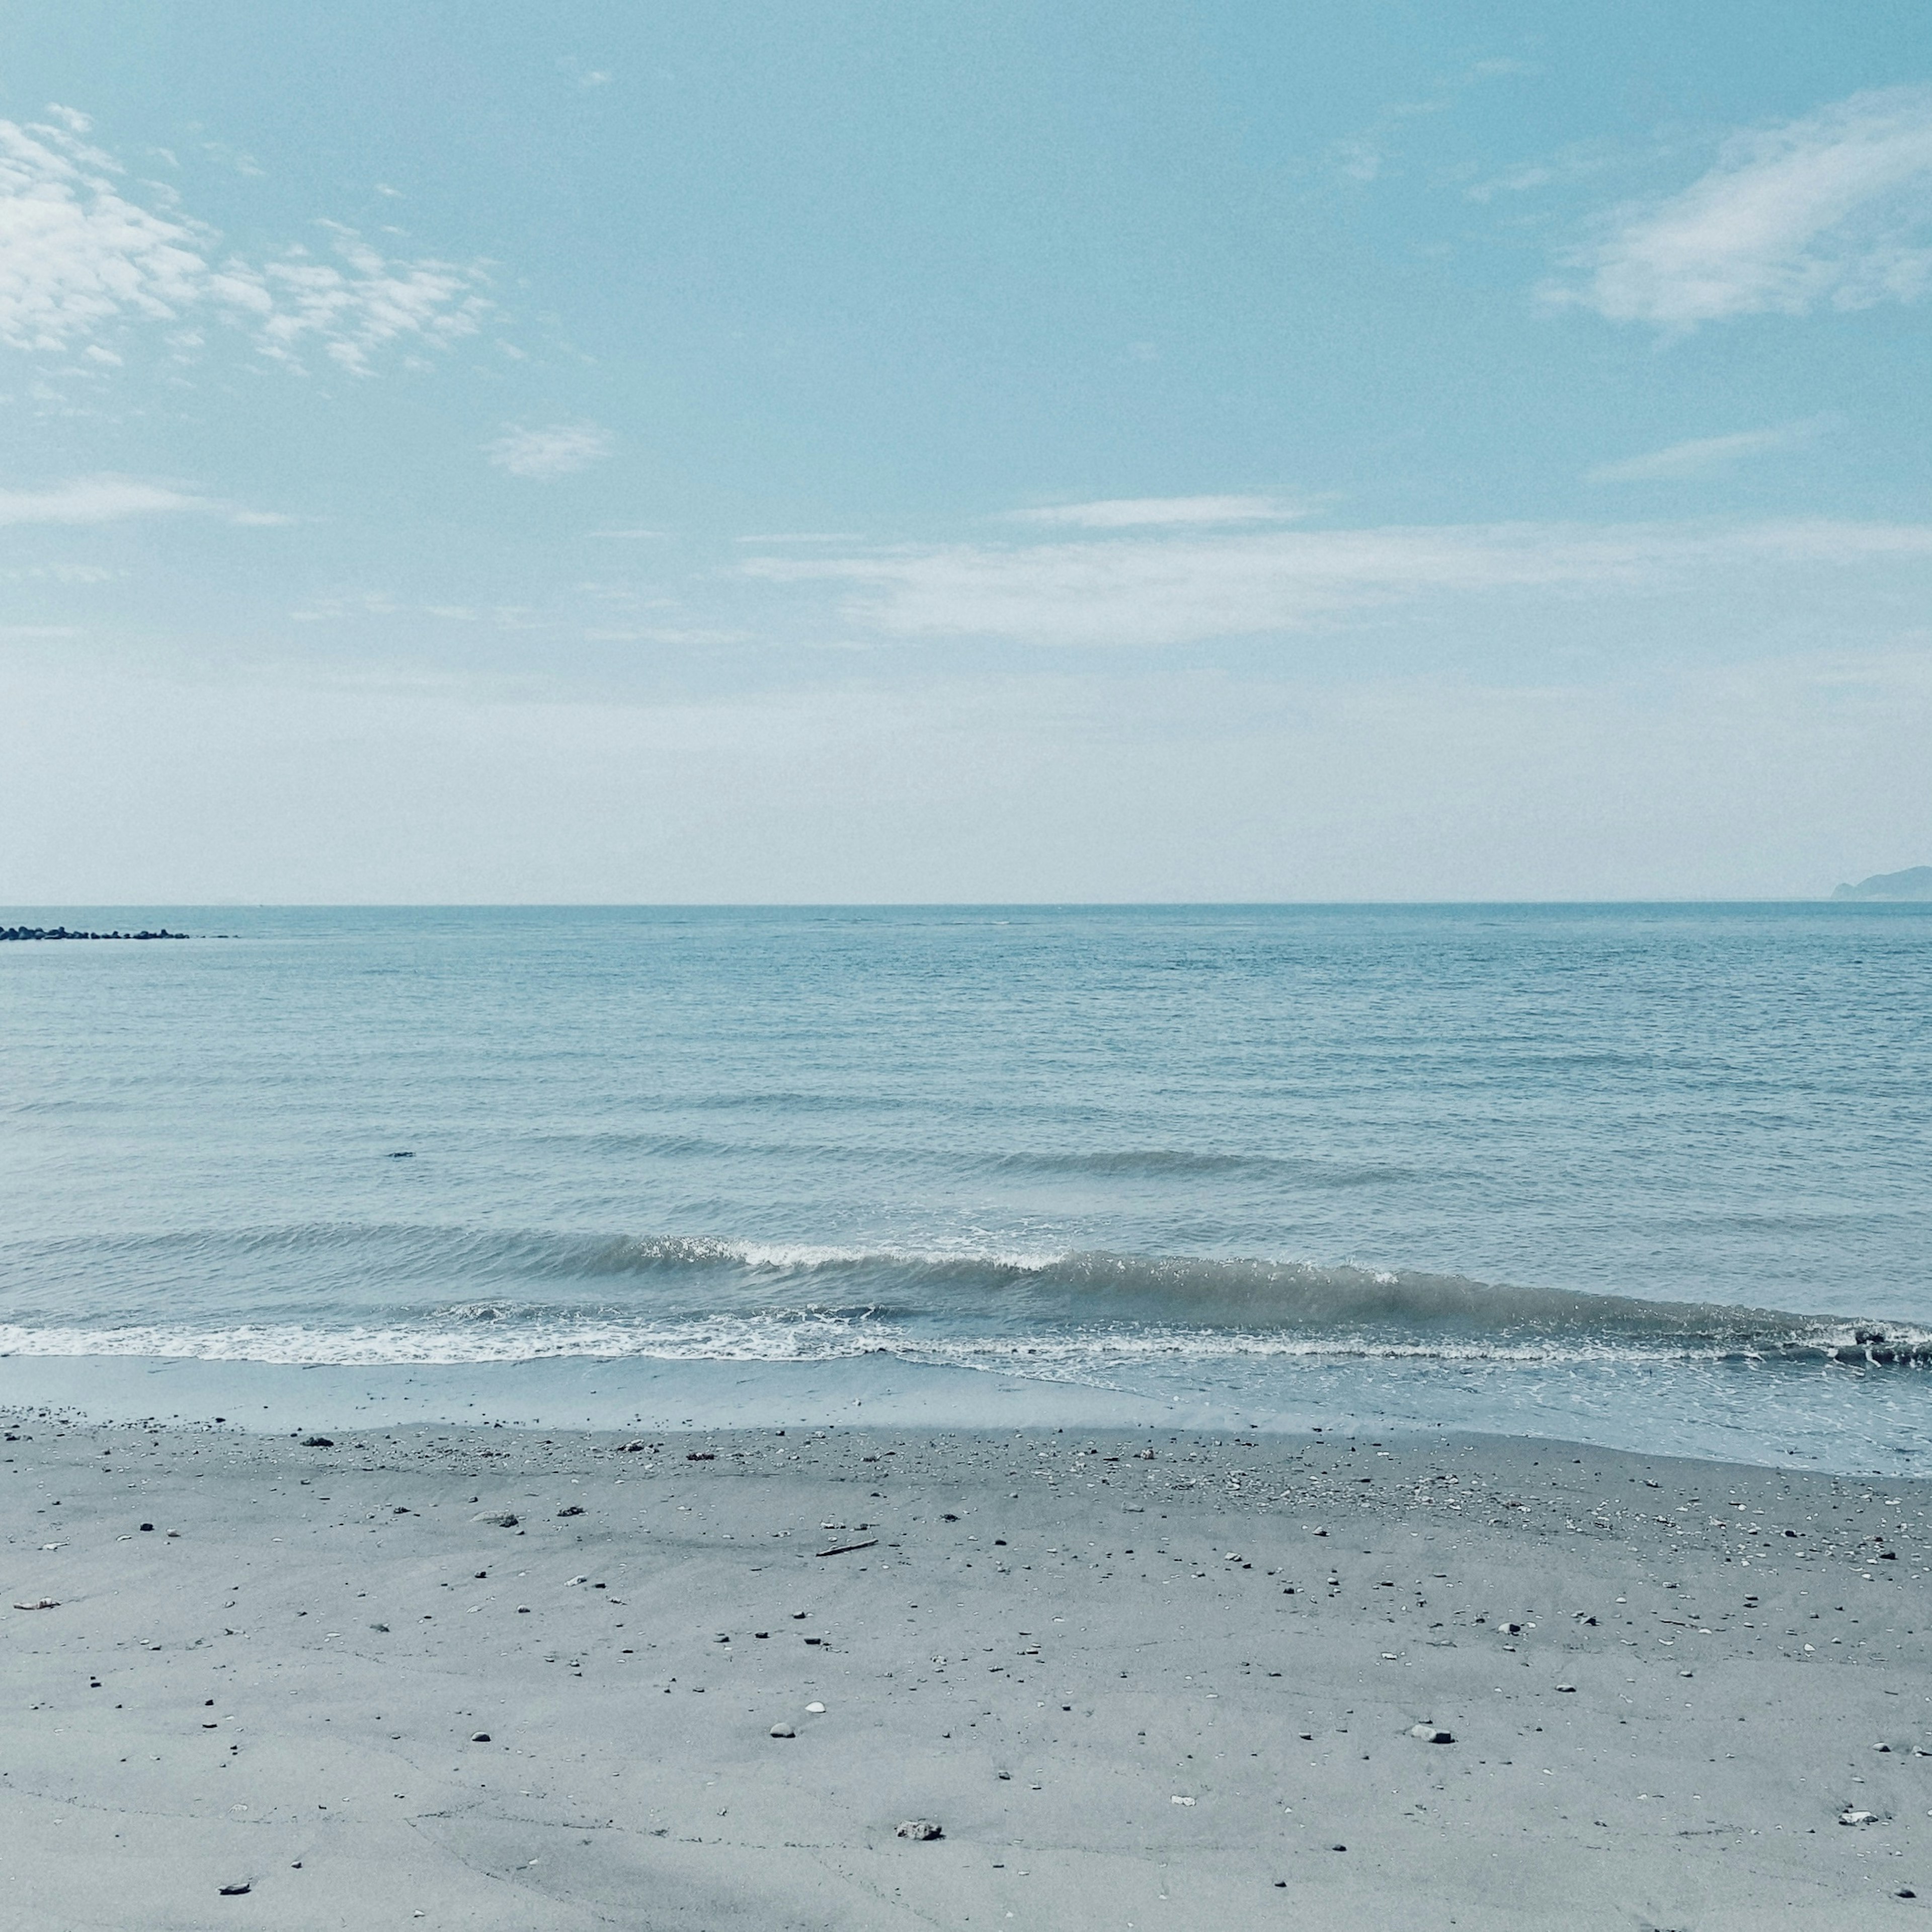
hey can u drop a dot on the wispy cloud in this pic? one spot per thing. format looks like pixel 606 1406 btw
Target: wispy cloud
pixel 80 259
pixel 1833 210
pixel 98 500
pixel 557 451
pixel 1711 455
pixel 1122 513
pixel 114 500
pixel 1154 591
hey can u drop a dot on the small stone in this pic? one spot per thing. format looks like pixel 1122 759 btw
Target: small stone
pixel 479 1737
pixel 1512 1630
pixel 920 1829
pixel 783 1731
pixel 816 1710
pixel 1851 1815
pixel 1882 1747
pixel 1178 1799
pixel 572 1509
pixel 506 1520
pixel 239 1889
pixel 1566 1687
pixel 1432 1734
pixel 318 1442
pixel 147 1525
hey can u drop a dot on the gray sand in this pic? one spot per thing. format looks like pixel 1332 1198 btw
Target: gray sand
pixel 1133 1692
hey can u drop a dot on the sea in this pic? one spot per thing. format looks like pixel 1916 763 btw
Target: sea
pixel 1654 1177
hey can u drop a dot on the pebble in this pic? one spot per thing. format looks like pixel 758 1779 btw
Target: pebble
pixel 1431 1734
pixel 318 1442
pixel 479 1737
pixel 239 1889
pixel 1851 1815
pixel 783 1731
pixel 816 1710
pixel 921 1829
pixel 505 1521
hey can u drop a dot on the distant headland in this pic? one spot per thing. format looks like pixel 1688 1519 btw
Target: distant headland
pixel 62 932
pixel 1914 882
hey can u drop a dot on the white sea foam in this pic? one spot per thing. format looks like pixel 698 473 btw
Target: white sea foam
pixel 476 1337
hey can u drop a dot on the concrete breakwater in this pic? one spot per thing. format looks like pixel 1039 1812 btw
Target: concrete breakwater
pixel 63 932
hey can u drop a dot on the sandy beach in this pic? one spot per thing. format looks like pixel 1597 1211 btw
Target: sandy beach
pixel 1136 1680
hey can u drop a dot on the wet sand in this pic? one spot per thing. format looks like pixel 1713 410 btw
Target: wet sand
pixel 1133 1691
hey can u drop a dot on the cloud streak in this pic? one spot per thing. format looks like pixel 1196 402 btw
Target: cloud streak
pixel 97 500
pixel 80 259
pixel 1159 591
pixel 1830 211
pixel 1120 513
pixel 1711 455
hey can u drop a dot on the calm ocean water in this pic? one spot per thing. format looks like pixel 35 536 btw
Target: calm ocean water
pixel 1633 1174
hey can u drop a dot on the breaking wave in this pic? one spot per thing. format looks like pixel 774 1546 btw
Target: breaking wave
pixel 376 1293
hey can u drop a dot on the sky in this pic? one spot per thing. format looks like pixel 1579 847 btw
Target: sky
pixel 866 452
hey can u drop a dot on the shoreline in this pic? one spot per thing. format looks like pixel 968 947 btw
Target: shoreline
pixel 1873 1435
pixel 1044 1650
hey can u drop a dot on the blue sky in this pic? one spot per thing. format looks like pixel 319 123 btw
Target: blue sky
pixel 876 452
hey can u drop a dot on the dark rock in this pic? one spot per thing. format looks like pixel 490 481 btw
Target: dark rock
pixel 479 1737
pixel 239 1889
pixel 318 1442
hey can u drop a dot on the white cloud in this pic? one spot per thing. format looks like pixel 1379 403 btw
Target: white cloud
pixel 558 451
pixel 1711 455
pixel 96 500
pixel 1154 591
pixel 79 259
pixel 114 500
pixel 1830 211
pixel 1123 513
pixel 366 305
pixel 74 254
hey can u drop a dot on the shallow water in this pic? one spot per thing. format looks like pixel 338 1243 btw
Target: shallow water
pixel 1639 1174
